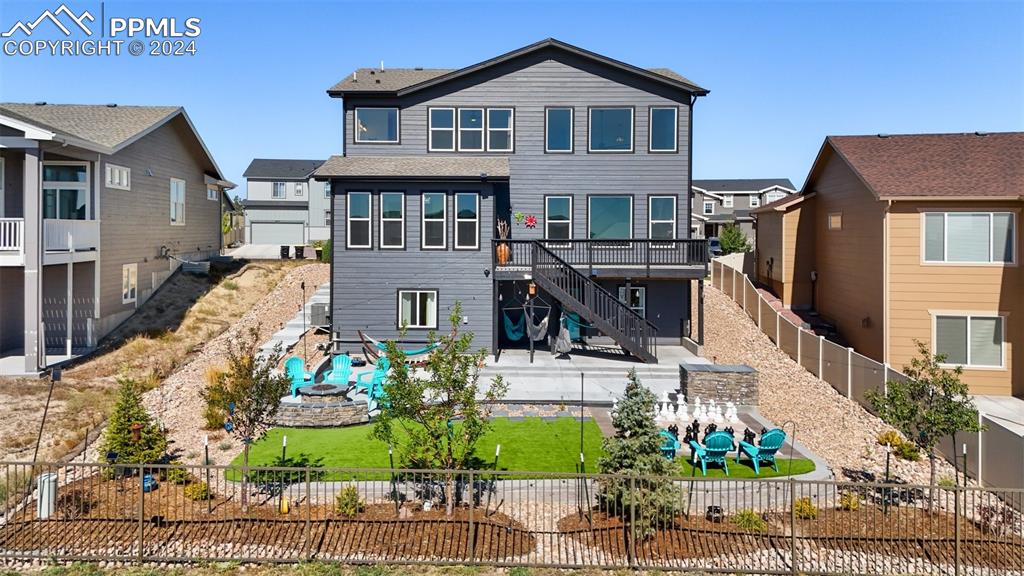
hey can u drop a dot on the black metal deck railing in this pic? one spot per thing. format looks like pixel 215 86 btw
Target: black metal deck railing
pixel 643 255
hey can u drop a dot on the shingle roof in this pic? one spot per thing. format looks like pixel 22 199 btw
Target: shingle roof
pixel 387 80
pixel 110 127
pixel 414 167
pixel 282 169
pixel 937 165
pixel 741 185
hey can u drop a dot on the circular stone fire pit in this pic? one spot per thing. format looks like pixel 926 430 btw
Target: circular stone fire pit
pixel 321 405
pixel 324 390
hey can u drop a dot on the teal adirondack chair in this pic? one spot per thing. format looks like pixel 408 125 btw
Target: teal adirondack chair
pixel 369 380
pixel 376 397
pixel 716 446
pixel 341 370
pixel 295 368
pixel 771 442
pixel 669 445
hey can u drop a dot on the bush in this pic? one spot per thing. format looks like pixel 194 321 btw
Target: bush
pixel 325 254
pixel 733 240
pixel 198 491
pixel 908 451
pixel 805 509
pixel 347 502
pixel 73 504
pixel 890 437
pixel 849 501
pixel 750 521
pixel 178 476
pixel 214 413
pixel 947 481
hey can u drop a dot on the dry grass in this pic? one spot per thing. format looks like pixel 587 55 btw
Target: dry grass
pixel 315 569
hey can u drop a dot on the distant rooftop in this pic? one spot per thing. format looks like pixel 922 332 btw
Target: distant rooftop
pixel 109 126
pixel 281 168
pixel 741 184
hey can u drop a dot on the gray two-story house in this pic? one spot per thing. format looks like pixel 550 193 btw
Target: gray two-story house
pixel 99 205
pixel 718 202
pixel 284 204
pixel 586 158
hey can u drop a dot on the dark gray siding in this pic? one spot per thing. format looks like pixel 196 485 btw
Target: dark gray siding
pixel 366 282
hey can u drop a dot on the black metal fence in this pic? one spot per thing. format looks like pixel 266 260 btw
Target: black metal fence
pixel 215 513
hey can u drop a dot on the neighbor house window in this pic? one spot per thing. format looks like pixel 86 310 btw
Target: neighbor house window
pixel 635 297
pixel 119 177
pixel 327 189
pixel 299 188
pixel 435 216
pixel 727 201
pixel 970 340
pixel 177 202
pixel 773 196
pixel 467 220
pixel 969 237
pixel 392 220
pixel 129 283
pixel 66 190
pixel 709 207
pixel 442 129
pixel 662 218
pixel 278 191
pixel 327 217
pixel 663 130
pixel 610 217
pixel 377 125
pixel 417 309
pixel 471 129
pixel 211 193
pixel 755 200
pixel 558 217
pixel 835 221
pixel 611 129
pixel 558 130
pixel 358 223
pixel 499 129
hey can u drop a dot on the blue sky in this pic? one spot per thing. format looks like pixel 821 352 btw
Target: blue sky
pixel 781 75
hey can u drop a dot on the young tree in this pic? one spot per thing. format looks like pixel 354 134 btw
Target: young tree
pixel 250 389
pixel 636 450
pixel 132 434
pixel 932 404
pixel 435 416
pixel 733 239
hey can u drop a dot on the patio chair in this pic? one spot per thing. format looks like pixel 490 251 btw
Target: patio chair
pixel 340 372
pixel 295 368
pixel 368 380
pixel 715 447
pixel 669 445
pixel 375 398
pixel 771 442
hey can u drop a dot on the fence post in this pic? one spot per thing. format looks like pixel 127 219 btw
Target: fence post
pixel 744 283
pixel 760 301
pixel 142 513
pixel 472 535
pixel 981 422
pixel 799 343
pixel 778 331
pixel 849 372
pixel 733 284
pixel 885 379
pixel 307 551
pixel 956 524
pixel 821 357
pixel 792 526
pixel 631 549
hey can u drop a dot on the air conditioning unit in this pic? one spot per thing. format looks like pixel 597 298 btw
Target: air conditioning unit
pixel 319 314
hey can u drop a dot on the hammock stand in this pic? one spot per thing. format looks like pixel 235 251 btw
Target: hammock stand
pixel 374 349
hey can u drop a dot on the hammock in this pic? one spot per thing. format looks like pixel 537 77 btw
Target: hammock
pixel 537 331
pixel 514 329
pixel 562 343
pixel 574 324
pixel 374 349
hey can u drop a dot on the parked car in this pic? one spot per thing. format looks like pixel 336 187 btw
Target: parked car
pixel 714 247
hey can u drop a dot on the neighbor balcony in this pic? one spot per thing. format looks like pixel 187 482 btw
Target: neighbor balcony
pixel 66 240
pixel 609 258
pixel 12 241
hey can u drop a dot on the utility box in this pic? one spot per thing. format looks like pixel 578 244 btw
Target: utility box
pixel 46 504
pixel 319 315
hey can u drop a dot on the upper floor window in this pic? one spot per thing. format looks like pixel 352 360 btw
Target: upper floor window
pixel 969 237
pixel 442 130
pixel 835 221
pixel 467 220
pixel 119 177
pixel 610 217
pixel 709 207
pixel 773 196
pixel 327 217
pixel 177 202
pixel 727 201
pixel 358 223
pixel 392 220
pixel 755 201
pixel 558 130
pixel 327 189
pixel 663 128
pixel 970 340
pixel 471 129
pixel 435 216
pixel 299 188
pixel 66 190
pixel 376 125
pixel 211 193
pixel 278 190
pixel 558 217
pixel 611 129
pixel 499 129
pixel 662 217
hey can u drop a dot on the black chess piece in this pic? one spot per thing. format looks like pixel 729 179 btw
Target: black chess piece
pixel 711 428
pixel 689 436
pixel 749 436
pixel 728 430
pixel 696 426
pixel 674 430
pixel 763 430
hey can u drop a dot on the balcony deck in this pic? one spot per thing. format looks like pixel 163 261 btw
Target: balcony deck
pixel 638 258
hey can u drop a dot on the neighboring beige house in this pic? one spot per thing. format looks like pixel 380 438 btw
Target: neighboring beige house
pixel 98 206
pixel 909 237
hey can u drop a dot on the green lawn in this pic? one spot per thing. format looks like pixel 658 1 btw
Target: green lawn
pixel 744 469
pixel 530 444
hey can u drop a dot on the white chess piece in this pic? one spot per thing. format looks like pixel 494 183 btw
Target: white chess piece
pixel 716 417
pixel 701 413
pixel 683 413
pixel 696 408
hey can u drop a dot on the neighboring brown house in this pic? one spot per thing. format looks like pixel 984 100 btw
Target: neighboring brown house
pixel 910 237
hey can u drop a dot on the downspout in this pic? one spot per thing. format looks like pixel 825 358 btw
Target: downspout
pixel 885 283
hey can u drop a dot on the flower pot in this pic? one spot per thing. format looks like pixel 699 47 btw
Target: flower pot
pixel 504 254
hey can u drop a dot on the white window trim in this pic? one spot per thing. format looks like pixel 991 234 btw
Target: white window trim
pixel 547 220
pixel 57 184
pixel 398 125
pixel 572 129
pixel 273 190
pixel 651 221
pixel 991 242
pixel 327 216
pixel 300 188
pixel 110 169
pixel 349 220
pixel 437 308
pixel 384 246
pixel 211 192
pixel 184 194
pixel 675 132
pixel 327 189
pixel 754 201
pixel 482 129
pixel 631 215
pixel 624 298
pixel 728 201
pixel 431 129
pixel 511 129
pixel 132 271
pixel 475 221
pixel 424 220
pixel 935 314
pixel 632 129
pixel 704 207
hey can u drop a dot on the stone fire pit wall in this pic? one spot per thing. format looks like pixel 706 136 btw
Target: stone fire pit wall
pixel 321 412
pixel 723 383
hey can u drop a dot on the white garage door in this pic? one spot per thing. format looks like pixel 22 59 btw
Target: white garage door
pixel 280 233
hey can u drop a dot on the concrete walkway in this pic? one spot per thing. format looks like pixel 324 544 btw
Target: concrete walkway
pixel 289 335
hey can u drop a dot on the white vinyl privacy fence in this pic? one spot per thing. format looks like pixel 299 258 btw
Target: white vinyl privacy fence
pixel 994 457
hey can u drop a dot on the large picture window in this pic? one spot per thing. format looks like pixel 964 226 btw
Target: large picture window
pixel 442 130
pixel 392 220
pixel 610 217
pixel 417 309
pixel 611 129
pixel 661 218
pixel 471 129
pixel 467 220
pixel 664 128
pixel 435 216
pixel 969 237
pixel 66 191
pixel 969 340
pixel 358 220
pixel 177 202
pixel 376 125
pixel 558 130
pixel 558 217
pixel 499 129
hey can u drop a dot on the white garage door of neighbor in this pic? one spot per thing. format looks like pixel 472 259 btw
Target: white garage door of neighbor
pixel 290 233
